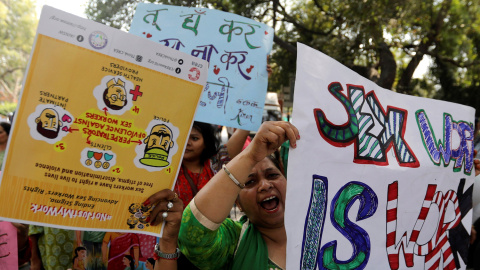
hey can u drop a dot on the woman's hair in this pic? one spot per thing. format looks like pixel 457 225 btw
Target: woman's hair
pixel 209 139
pixel 151 261
pixel 132 261
pixel 277 161
pixel 6 126
pixel 76 253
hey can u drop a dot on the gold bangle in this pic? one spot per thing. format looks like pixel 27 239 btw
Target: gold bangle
pixel 232 177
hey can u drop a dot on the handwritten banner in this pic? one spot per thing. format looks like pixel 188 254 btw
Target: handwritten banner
pixel 380 180
pixel 235 47
pixel 101 125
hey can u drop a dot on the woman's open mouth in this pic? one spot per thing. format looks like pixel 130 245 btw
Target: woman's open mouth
pixel 270 204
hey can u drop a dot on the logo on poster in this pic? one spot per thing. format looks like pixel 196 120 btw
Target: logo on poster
pixel 196 74
pixel 98 40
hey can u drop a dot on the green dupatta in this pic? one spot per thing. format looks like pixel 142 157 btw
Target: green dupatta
pixel 252 252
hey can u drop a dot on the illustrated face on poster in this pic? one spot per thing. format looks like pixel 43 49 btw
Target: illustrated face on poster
pixel 159 146
pixel 382 180
pixel 112 94
pixel 49 123
pixel 97 159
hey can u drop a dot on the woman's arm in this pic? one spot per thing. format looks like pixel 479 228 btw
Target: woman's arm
pixel 136 255
pixel 76 265
pixel 168 242
pixel 215 200
pixel 166 247
pixel 205 244
pixel 78 236
pixel 236 142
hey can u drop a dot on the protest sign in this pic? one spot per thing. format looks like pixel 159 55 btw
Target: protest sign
pixel 235 47
pixel 101 125
pixel 379 180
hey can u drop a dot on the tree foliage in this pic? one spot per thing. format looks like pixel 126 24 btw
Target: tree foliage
pixel 17 30
pixel 383 40
pixel 7 108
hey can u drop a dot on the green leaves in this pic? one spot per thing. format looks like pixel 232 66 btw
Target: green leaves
pixel 382 40
pixel 18 24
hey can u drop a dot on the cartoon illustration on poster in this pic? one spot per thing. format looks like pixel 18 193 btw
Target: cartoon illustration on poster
pixel 160 146
pixel 112 95
pixel 88 148
pixel 49 123
pixel 97 159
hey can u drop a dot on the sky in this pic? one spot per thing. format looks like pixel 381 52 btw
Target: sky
pixel 76 7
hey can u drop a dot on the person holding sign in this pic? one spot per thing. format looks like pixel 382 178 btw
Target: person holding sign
pixel 255 182
pixel 166 251
pixel 203 158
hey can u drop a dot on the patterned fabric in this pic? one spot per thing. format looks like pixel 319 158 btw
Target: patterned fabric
pixel 147 242
pixel 55 246
pixel 120 244
pixel 210 168
pixel 210 249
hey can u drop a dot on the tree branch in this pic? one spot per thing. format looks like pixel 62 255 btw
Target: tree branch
pixel 287 46
pixel 290 19
pixel 8 71
pixel 454 62
pixel 431 38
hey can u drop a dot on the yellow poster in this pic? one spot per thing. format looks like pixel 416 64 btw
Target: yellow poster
pixel 101 125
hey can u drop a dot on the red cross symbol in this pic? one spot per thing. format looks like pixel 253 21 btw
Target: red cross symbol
pixel 136 92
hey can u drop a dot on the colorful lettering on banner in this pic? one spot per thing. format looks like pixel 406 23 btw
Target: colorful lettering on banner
pixel 325 257
pixel 369 148
pixel 189 19
pixel 238 31
pixel 222 94
pixel 155 17
pixel 314 223
pixel 443 245
pixel 236 48
pixel 412 207
pixel 176 43
pixel 443 151
pixel 231 58
pixel 206 53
